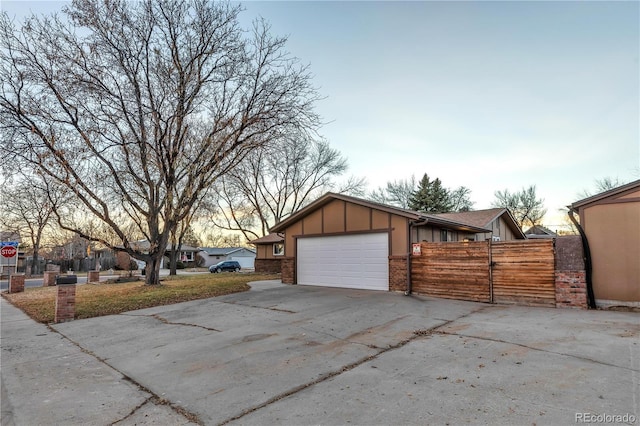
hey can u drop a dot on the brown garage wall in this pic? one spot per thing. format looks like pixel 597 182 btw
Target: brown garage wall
pixel 613 232
pixel 341 217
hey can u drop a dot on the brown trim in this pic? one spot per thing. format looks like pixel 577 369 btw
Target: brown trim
pixel 322 219
pixel 370 218
pixel 397 256
pixel 344 227
pixel 335 234
pixel 614 201
pixel 618 192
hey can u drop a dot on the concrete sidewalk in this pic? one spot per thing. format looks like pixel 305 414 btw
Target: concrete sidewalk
pixel 297 355
pixel 48 380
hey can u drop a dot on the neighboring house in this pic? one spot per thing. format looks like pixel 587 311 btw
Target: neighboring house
pixel 212 255
pixel 269 253
pixel 499 221
pixel 343 241
pixel 187 253
pixel 611 224
pixel 539 231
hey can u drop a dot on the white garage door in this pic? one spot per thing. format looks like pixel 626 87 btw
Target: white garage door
pixel 244 261
pixel 349 261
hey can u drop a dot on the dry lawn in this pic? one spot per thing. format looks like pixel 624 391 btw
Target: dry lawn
pixel 94 300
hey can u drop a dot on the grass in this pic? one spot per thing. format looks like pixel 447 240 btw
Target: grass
pixel 94 300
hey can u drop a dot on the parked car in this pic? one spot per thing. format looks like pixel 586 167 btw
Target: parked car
pixel 225 265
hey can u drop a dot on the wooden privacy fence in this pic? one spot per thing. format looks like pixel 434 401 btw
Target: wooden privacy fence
pixel 519 272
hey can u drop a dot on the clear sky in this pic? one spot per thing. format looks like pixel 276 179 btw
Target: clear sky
pixel 489 95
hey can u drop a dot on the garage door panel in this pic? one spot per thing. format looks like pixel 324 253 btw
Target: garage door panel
pixel 350 261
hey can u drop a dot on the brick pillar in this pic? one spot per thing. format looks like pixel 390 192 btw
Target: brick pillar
pixel 49 278
pixel 288 270
pixel 16 283
pixel 571 289
pixel 570 274
pixel 398 273
pixel 93 276
pixel 65 303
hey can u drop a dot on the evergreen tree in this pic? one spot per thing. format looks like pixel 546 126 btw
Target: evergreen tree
pixel 430 197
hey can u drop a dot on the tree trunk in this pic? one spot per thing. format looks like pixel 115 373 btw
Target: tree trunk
pixel 173 260
pixel 152 270
pixel 35 264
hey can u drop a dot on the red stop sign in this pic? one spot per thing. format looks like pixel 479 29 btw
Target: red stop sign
pixel 8 251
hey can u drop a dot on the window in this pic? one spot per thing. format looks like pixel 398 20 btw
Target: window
pixel 446 235
pixel 278 249
pixel 187 256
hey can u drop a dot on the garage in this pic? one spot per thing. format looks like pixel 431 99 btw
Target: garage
pixel 359 261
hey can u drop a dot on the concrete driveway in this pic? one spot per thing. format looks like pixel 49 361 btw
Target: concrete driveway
pixel 303 355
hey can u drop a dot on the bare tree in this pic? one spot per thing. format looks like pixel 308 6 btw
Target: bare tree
pixel 139 107
pixel 396 193
pixel 526 208
pixel 399 193
pixel 272 183
pixel 26 208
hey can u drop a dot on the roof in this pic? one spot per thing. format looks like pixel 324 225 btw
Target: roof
pixel 223 251
pixel 144 245
pixel 620 190
pixel 540 230
pixel 418 217
pixel 479 218
pixel 484 219
pixel 268 239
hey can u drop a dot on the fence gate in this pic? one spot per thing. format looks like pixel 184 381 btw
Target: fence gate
pixel 453 271
pixel 523 273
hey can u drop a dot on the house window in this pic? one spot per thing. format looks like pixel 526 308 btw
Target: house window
pixel 278 249
pixel 446 235
pixel 187 256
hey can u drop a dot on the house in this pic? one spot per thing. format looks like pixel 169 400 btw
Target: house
pixel 212 255
pixel 344 241
pixel 499 221
pixel 539 231
pixel 187 253
pixel 269 252
pixel 610 222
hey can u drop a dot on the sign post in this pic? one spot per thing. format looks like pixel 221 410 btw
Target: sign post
pixel 8 251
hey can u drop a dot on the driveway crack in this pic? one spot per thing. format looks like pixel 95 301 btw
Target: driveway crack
pixel 533 348
pixel 154 398
pixel 417 334
pixel 166 321
pixel 269 308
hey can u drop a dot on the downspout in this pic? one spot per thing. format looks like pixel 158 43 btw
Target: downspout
pixel 587 260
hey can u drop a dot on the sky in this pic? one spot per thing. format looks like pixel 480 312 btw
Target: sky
pixel 487 95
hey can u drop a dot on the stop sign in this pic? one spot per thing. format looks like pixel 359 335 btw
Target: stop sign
pixel 8 251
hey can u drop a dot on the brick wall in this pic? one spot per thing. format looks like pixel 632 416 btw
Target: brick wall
pixel 49 278
pixel 16 283
pixel 570 275
pixel 288 270
pixel 571 289
pixel 398 273
pixel 268 266
pixel 65 302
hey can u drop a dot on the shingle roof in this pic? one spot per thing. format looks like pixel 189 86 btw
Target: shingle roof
pixel 222 251
pixel 409 214
pixel 479 218
pixel 268 239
